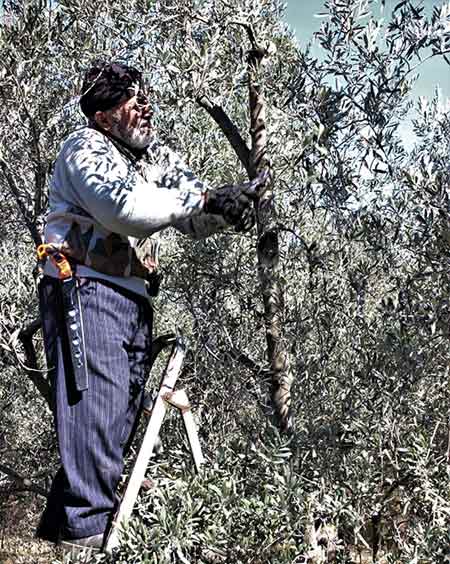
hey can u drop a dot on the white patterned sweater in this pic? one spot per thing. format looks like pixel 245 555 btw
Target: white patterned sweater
pixel 103 202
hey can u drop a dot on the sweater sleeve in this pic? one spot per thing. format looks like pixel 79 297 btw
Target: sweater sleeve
pixel 116 195
pixel 198 226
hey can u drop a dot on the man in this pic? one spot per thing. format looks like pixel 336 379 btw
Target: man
pixel 113 186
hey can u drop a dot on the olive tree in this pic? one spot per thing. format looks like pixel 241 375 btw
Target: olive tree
pixel 341 292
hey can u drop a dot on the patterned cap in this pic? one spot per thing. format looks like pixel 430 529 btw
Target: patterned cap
pixel 106 85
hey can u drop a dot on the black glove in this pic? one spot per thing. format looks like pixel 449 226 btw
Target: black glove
pixel 235 202
pixel 153 283
pixel 247 220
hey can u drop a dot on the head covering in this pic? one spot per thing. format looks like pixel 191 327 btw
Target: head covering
pixel 106 85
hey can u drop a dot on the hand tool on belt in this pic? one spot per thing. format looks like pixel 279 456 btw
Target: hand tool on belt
pixel 72 312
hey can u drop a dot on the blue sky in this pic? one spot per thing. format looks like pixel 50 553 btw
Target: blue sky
pixel 300 17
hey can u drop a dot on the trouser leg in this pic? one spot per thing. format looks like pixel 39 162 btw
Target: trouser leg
pixel 93 426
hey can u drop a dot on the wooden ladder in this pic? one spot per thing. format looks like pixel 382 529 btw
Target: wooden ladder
pixel 167 397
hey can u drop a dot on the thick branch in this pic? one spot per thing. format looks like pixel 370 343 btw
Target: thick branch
pixel 258 132
pixel 31 366
pixel 228 128
pixel 254 161
pixel 246 361
pixel 250 32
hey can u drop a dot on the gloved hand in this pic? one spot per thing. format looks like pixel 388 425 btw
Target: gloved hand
pixel 234 202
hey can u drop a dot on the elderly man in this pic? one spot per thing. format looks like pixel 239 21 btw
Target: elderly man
pixel 113 186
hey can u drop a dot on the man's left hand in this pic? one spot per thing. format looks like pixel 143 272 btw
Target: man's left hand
pixel 235 202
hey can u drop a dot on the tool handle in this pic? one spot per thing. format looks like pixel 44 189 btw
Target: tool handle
pixel 58 259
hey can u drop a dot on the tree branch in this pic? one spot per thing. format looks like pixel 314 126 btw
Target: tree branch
pixel 228 128
pixel 21 205
pixel 268 252
pixel 246 361
pixel 250 32
pixel 31 367
pixel 24 484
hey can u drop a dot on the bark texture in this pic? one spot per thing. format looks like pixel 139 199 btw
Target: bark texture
pixel 269 270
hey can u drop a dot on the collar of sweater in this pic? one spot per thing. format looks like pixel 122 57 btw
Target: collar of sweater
pixel 132 154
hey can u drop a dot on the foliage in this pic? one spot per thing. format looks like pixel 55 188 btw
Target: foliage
pixel 364 235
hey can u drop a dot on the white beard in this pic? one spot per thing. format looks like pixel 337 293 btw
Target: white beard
pixel 137 138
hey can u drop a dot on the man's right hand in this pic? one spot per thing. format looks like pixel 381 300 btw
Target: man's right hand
pixel 235 202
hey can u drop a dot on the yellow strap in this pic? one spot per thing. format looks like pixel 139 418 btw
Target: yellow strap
pixel 57 258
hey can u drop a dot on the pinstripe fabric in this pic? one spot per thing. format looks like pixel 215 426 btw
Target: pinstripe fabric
pixel 94 426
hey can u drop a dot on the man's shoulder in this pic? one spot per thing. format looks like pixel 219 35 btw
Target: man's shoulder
pixel 82 138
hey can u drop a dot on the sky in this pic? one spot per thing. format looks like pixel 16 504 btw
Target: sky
pixel 300 17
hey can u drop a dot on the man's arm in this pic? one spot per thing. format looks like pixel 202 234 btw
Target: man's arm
pixel 228 206
pixel 178 175
pixel 202 226
pixel 90 175
pixel 115 195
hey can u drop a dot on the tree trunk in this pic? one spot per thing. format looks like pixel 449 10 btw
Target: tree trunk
pixel 269 270
pixel 255 160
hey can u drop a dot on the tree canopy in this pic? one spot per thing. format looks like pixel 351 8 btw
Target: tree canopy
pixel 338 303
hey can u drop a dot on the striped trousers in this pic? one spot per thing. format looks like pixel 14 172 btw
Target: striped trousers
pixel 93 426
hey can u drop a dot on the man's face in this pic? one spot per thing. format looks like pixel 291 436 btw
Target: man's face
pixel 130 121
